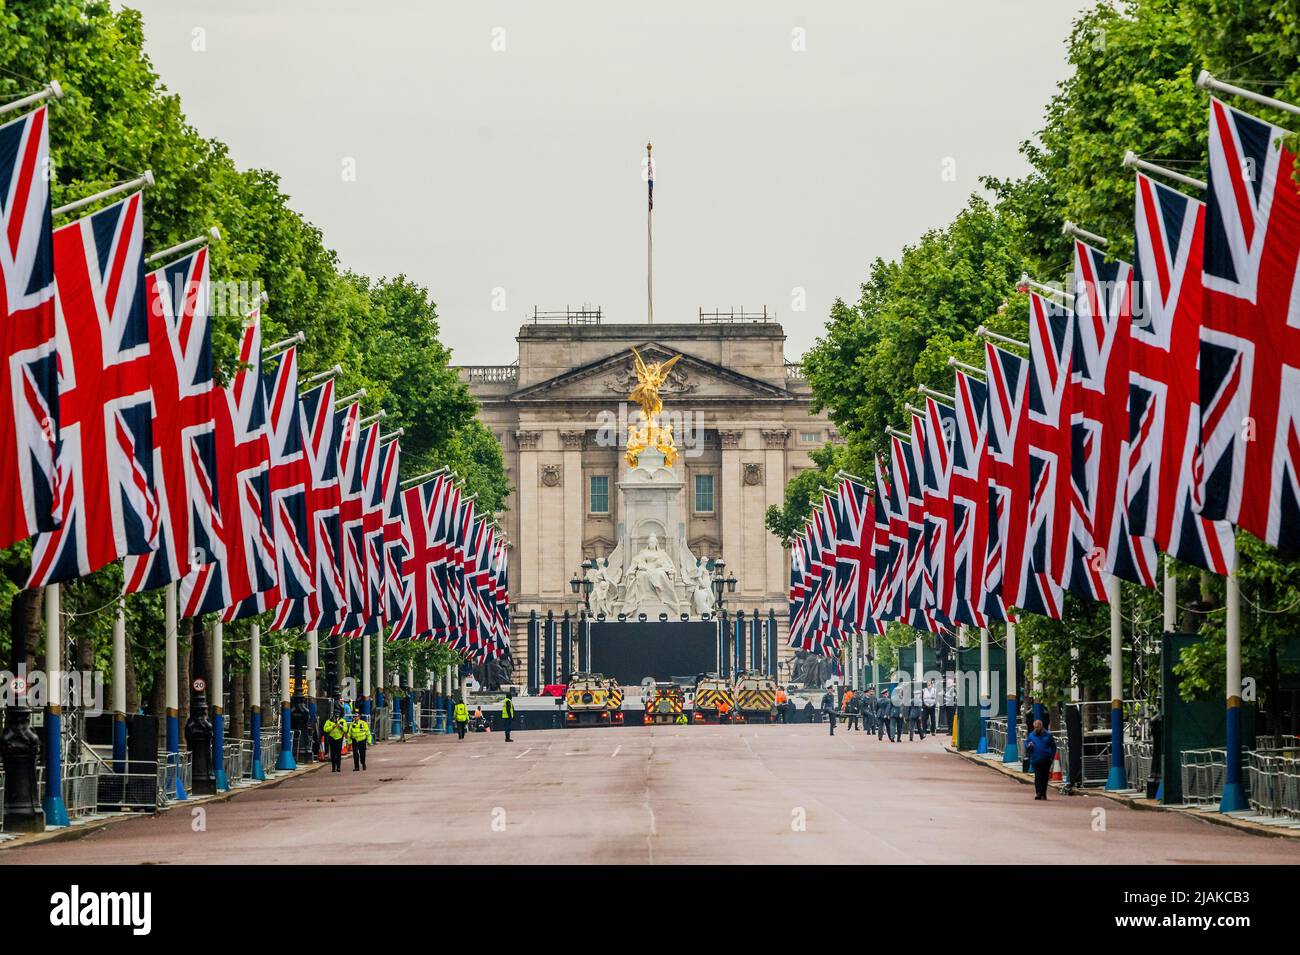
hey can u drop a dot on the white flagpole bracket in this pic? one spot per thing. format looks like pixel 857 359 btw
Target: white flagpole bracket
pixel 52 91
pixel 425 476
pixel 983 332
pixel 1072 230
pixel 969 369
pixel 913 409
pixel 898 434
pixel 355 396
pixel 212 235
pixel 1026 283
pixel 1206 81
pixel 324 375
pixel 937 395
pixel 391 436
pixel 275 349
pixel 1133 161
pixel 140 182
pixel 379 415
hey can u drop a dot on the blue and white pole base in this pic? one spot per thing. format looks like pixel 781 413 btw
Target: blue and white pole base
pixel 258 771
pixel 1117 778
pixel 56 812
pixel 1011 754
pixel 1234 794
pixel 286 760
pixel 982 747
pixel 219 750
pixel 174 752
pixel 119 742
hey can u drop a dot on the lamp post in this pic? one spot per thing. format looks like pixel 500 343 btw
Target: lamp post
pixel 582 585
pixel 721 586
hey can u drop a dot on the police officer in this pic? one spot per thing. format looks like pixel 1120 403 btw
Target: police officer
pixel 360 736
pixel 915 713
pixel 460 716
pixel 884 717
pixel 334 729
pixel 898 706
pixel 930 700
pixel 508 714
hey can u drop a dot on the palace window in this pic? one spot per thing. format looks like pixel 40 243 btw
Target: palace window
pixel 811 437
pixel 598 494
pixel 704 494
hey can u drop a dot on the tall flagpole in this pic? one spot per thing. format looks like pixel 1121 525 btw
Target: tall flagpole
pixel 650 236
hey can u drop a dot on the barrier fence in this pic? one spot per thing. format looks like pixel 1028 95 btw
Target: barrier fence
pixel 171 766
pixel 995 732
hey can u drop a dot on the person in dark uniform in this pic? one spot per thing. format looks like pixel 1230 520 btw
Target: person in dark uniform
pixel 851 707
pixel 884 716
pixel 915 713
pixel 868 709
pixel 828 708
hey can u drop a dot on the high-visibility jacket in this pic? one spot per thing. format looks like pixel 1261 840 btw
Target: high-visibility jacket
pixel 334 729
pixel 780 697
pixel 507 709
pixel 359 731
pixel 461 713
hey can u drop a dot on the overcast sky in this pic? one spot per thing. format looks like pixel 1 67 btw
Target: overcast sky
pixel 498 145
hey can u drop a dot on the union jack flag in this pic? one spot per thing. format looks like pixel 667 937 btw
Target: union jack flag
pixel 184 440
pixel 350 439
pixel 969 495
pixel 939 427
pixel 290 480
pixel 1164 443
pixel 1048 418
pixel 362 516
pixel 424 611
pixel 798 574
pixel 919 600
pixel 29 383
pixel 245 550
pixel 1007 376
pixel 326 603
pixel 1250 332
pixel 853 556
pixel 890 538
pixel 1100 540
pixel 394 550
pixel 104 472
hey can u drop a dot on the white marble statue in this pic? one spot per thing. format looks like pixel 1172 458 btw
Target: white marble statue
pixel 604 590
pixel 651 580
pixel 698 581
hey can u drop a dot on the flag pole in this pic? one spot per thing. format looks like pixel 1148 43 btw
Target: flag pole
pixel 649 236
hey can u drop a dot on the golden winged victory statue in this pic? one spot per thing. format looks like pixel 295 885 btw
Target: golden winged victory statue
pixel 650 378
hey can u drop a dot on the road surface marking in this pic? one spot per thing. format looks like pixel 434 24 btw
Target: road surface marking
pixel 616 749
pixel 524 753
pixel 431 756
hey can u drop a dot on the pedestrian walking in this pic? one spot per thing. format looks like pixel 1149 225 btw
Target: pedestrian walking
pixel 950 703
pixel 828 708
pixel 508 714
pixel 460 716
pixel 930 701
pixel 897 712
pixel 334 729
pixel 1040 746
pixel 782 713
pixel 360 736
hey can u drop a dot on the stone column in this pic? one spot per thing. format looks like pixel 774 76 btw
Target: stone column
pixel 730 515
pixel 575 505
pixel 774 442
pixel 528 543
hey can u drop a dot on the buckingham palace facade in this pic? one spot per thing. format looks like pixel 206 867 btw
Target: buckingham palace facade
pixel 741 417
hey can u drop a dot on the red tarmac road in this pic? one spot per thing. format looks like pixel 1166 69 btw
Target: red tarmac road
pixel 760 794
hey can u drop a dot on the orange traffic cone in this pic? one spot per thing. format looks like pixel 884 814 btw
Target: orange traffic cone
pixel 1057 775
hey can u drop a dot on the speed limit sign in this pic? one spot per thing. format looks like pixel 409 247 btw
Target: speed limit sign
pixel 200 685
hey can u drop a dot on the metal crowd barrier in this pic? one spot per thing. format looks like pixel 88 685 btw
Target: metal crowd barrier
pixel 1274 777
pixel 995 732
pixel 135 786
pixel 233 751
pixel 1137 762
pixel 170 766
pixel 270 747
pixel 1202 774
pixel 381 723
pixel 432 720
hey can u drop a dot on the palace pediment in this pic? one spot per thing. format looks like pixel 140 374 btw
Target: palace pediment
pixel 610 379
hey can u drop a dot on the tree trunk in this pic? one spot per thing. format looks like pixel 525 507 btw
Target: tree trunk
pixel 132 687
pixel 183 644
pixel 238 695
pixel 158 704
pixel 25 627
